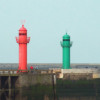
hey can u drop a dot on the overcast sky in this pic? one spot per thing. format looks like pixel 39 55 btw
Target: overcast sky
pixel 47 21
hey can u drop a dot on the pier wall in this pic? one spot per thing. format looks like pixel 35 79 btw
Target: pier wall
pixel 74 84
pixel 26 80
pixel 47 77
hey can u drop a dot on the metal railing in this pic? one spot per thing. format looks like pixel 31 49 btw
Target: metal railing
pixel 8 71
pixel 34 71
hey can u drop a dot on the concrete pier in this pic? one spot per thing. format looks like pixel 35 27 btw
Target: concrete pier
pixel 11 79
pixel 57 83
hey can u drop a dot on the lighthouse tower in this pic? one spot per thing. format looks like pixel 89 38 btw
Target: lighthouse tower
pixel 66 44
pixel 22 40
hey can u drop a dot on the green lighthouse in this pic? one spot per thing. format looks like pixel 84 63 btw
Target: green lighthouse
pixel 66 44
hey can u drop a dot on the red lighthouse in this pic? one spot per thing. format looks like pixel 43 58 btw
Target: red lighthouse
pixel 22 40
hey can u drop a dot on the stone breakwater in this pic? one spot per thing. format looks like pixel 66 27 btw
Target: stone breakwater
pixel 48 65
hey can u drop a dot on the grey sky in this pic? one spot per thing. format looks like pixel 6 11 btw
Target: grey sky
pixel 47 21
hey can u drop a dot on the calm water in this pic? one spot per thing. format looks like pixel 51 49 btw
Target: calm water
pixel 64 90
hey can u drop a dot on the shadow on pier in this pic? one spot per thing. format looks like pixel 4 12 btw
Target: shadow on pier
pixel 79 90
pixel 7 87
pixel 8 82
